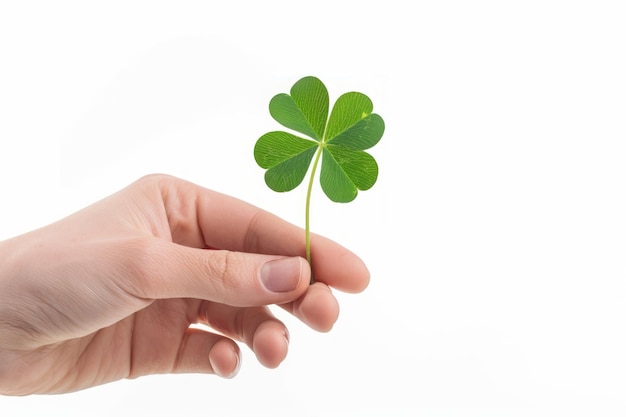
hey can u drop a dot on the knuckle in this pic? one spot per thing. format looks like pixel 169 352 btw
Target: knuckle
pixel 227 267
pixel 141 262
pixel 152 179
pixel 252 238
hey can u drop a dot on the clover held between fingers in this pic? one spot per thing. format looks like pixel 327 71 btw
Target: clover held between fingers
pixel 339 141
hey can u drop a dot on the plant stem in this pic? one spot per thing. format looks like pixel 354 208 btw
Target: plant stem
pixel 307 228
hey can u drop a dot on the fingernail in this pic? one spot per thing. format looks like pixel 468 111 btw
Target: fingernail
pixel 237 367
pixel 281 275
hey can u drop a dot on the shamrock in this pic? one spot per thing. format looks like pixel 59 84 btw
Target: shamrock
pixel 339 140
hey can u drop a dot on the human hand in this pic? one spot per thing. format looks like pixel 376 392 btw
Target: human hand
pixel 110 292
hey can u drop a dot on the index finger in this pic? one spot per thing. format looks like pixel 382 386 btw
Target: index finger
pixel 205 218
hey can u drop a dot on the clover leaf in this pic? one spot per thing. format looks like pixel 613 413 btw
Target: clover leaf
pixel 339 140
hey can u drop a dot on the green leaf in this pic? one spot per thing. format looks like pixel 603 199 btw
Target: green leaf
pixel 287 158
pixel 289 174
pixel 348 109
pixel 344 171
pixel 362 135
pixel 305 110
pixel 359 166
pixel 335 182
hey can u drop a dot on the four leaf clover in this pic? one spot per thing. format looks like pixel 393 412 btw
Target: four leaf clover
pixel 339 140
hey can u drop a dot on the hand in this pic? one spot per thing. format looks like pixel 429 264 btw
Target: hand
pixel 110 292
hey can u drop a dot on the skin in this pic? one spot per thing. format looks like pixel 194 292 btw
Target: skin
pixel 110 292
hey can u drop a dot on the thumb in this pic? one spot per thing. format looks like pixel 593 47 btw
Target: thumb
pixel 239 279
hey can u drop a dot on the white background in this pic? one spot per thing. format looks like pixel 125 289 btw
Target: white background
pixel 495 236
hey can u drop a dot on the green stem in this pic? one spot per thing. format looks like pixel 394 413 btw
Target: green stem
pixel 307 210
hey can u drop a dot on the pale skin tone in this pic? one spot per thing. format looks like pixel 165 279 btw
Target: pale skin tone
pixel 110 292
